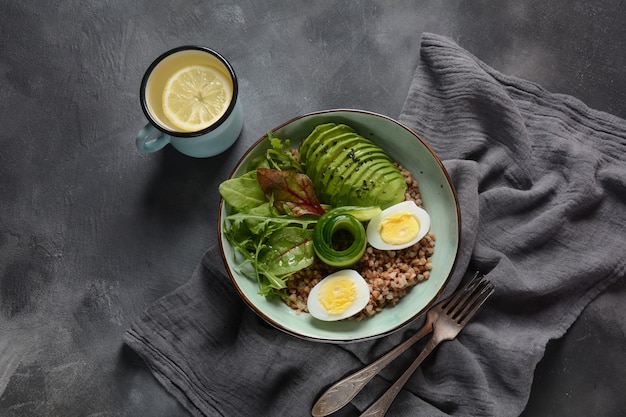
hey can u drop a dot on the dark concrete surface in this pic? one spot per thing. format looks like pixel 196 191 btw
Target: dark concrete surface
pixel 92 232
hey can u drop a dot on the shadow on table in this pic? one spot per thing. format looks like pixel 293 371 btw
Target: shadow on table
pixel 183 187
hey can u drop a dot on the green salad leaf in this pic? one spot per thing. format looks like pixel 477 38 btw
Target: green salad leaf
pixel 242 193
pixel 271 230
pixel 291 192
pixel 280 157
pixel 275 246
pixel 288 250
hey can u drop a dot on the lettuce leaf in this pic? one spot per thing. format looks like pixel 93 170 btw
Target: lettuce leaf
pixel 243 193
pixel 275 247
pixel 291 192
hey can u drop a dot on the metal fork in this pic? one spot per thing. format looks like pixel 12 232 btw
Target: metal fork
pixel 447 319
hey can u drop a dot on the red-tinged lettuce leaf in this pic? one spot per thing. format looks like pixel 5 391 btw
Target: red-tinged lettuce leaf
pixel 291 192
pixel 288 250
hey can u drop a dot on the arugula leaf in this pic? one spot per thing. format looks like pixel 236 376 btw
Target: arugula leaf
pixel 279 155
pixel 275 247
pixel 274 211
pixel 292 192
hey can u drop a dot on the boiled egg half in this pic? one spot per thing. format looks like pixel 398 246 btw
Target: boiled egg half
pixel 398 227
pixel 338 296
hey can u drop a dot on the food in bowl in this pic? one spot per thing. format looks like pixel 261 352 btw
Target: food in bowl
pixel 411 152
pixel 340 295
pixel 298 218
pixel 348 169
pixel 398 227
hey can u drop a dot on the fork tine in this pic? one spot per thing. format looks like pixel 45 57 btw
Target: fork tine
pixel 476 302
pixel 468 299
pixel 456 298
pixel 453 311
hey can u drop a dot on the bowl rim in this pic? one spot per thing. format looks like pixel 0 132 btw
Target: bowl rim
pixel 391 330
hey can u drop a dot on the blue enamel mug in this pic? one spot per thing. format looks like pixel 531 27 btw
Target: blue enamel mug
pixel 197 72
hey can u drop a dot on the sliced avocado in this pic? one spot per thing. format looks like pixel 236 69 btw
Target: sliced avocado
pixel 391 194
pixel 389 187
pixel 321 142
pixel 372 152
pixel 350 165
pixel 358 186
pixel 378 183
pixel 317 160
pixel 338 159
pixel 354 188
pixel 312 138
pixel 348 169
pixel 330 159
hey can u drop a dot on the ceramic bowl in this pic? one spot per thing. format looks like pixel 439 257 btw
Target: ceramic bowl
pixel 439 199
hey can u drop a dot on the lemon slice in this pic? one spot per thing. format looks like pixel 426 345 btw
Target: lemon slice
pixel 195 97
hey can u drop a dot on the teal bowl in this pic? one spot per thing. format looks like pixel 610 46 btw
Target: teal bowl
pixel 439 199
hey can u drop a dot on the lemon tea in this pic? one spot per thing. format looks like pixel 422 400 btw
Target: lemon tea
pixel 160 76
pixel 190 97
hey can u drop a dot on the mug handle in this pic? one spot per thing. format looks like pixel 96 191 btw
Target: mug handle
pixel 150 139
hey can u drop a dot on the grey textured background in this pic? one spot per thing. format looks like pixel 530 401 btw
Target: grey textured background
pixel 92 232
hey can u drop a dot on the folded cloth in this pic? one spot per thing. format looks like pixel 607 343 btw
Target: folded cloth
pixel 541 180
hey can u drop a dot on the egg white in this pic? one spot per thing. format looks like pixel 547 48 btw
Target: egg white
pixel 362 297
pixel 373 230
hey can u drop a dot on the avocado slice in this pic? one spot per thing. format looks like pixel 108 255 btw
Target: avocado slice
pixel 352 190
pixel 312 138
pixel 319 141
pixel 338 159
pixel 379 183
pixel 348 169
pixel 330 160
pixel 349 166
pixel 372 152
pixel 317 160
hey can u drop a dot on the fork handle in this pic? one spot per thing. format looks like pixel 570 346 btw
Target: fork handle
pixel 380 407
pixel 346 389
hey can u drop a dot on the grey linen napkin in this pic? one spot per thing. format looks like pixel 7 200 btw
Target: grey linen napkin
pixel 541 180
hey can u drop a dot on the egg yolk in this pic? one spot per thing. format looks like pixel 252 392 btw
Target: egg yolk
pixel 337 294
pixel 399 228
